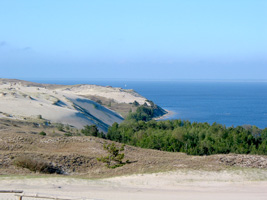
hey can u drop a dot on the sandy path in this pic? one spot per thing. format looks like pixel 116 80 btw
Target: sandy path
pixel 173 185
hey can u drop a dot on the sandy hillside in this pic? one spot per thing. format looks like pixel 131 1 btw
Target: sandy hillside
pixel 150 174
pixel 62 104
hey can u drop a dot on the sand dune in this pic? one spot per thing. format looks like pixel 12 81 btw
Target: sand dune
pixel 62 104
pixel 118 94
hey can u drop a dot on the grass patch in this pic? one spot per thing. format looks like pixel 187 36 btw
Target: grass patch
pixel 36 165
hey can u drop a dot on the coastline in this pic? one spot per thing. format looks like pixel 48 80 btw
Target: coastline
pixel 168 114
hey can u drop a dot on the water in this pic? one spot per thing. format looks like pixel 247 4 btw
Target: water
pixel 229 103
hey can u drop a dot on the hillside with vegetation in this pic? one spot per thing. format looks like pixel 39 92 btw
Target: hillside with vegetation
pixel 69 152
pixel 29 146
pixel 183 136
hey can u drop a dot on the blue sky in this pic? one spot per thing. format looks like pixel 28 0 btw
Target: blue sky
pixel 138 39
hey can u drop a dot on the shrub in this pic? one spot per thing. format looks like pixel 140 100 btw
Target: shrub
pixel 36 165
pixel 142 113
pixel 91 130
pixel 42 133
pixel 135 103
pixel 68 134
pixel 99 102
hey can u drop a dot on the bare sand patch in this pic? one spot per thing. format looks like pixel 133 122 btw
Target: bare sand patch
pixel 191 184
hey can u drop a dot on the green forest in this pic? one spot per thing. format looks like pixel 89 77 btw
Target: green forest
pixel 191 138
pixel 183 136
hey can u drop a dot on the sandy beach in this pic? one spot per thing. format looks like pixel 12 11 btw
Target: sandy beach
pixel 230 185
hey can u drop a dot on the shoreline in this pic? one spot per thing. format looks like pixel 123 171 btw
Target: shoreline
pixel 168 114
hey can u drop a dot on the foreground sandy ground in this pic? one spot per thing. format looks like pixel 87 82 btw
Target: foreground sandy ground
pixel 231 185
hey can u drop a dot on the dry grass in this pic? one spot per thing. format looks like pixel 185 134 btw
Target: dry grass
pixel 121 108
pixel 36 165
pixel 33 127
pixel 76 156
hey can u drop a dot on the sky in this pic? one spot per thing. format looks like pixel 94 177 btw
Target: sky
pixel 133 39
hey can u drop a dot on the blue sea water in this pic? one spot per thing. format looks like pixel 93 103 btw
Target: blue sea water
pixel 228 103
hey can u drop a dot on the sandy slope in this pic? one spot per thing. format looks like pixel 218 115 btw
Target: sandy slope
pixel 169 185
pixel 62 104
pixel 118 94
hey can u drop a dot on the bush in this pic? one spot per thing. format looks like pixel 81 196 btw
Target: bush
pixel 142 113
pixel 68 134
pixel 42 133
pixel 99 102
pixel 135 103
pixel 92 130
pixel 36 165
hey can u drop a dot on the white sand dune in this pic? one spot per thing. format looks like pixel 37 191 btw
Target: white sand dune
pixel 183 185
pixel 117 94
pixel 62 104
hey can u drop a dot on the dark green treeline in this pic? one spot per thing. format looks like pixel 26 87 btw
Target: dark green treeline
pixel 191 138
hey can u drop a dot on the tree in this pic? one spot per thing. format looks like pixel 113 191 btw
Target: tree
pixel 115 157
pixel 99 102
pixel 90 130
pixel 135 103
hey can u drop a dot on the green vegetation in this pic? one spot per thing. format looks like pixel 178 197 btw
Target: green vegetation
pixel 92 131
pixel 68 134
pixel 143 113
pixel 183 136
pixel 191 138
pixel 99 102
pixel 42 133
pixel 114 157
pixel 135 103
